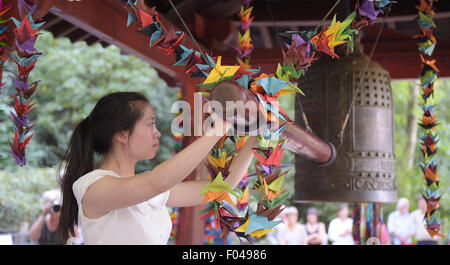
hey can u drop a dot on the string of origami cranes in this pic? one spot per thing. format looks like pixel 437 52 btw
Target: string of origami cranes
pixel 302 49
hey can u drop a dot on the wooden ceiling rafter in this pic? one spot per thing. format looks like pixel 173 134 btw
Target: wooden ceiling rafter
pixel 263 34
pixel 81 21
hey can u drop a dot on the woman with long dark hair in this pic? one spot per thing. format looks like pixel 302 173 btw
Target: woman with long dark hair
pixel 112 203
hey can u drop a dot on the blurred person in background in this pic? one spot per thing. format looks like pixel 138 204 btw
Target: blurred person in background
pixel 316 232
pixel 340 228
pixel 44 230
pixel 292 233
pixel 401 224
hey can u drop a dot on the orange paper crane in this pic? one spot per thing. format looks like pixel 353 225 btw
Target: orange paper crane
pixel 218 196
pixel 431 174
pixel 240 143
pixel 430 63
pixel 245 15
pixel 425 32
pixel 429 89
pixel 428 120
pixel 322 43
pixel 434 232
pixel 431 148
pixel 147 19
pixel 243 201
pixel 257 88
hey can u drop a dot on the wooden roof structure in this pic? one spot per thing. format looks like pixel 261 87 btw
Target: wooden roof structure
pixel 214 23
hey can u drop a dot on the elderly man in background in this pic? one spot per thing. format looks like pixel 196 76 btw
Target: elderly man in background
pixel 401 224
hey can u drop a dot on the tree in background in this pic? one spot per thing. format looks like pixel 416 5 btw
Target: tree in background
pixel 410 179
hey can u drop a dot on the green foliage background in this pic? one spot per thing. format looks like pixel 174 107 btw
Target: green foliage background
pixel 74 76
pixel 409 182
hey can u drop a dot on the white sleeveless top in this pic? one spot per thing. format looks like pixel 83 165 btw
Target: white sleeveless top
pixel 146 223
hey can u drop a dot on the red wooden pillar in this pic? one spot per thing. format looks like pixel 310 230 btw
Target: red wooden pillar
pixel 190 227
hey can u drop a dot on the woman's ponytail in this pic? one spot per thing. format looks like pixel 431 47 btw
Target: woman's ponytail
pixel 78 160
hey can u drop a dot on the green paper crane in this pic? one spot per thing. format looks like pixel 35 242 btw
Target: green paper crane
pixel 218 185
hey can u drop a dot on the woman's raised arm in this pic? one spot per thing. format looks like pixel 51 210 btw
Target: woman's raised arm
pixel 109 193
pixel 187 193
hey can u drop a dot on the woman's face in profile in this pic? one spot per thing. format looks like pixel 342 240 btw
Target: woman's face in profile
pixel 144 140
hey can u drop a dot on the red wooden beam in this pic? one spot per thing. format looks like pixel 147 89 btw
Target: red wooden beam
pixel 106 19
pixel 400 58
pixel 315 10
pixel 100 19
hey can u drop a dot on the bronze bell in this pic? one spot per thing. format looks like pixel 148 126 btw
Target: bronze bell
pixel 364 170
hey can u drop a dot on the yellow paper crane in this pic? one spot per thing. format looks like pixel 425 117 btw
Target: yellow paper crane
pixel 219 72
pixel 219 161
pixel 257 233
pixel 331 32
